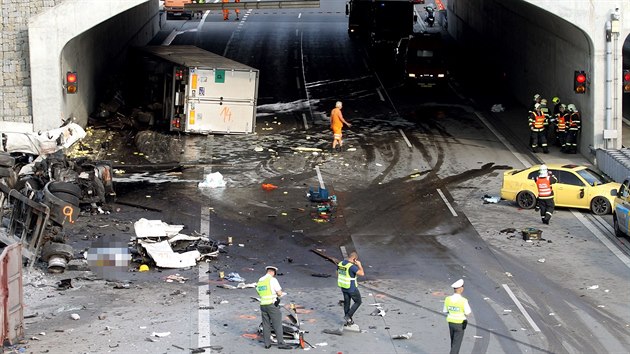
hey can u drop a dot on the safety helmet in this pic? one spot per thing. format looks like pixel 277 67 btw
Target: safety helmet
pixel 536 97
pixel 555 99
pixel 537 106
pixel 572 107
pixel 563 106
pixel 543 170
pixel 543 101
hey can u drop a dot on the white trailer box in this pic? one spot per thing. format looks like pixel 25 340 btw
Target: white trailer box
pixel 207 93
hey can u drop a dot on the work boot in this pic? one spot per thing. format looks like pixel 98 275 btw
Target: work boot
pixel 545 221
pixel 285 346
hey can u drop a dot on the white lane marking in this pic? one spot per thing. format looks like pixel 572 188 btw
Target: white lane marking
pixel 378 90
pixel 504 141
pixel 203 326
pixel 446 202
pixel 520 307
pixel 344 253
pixel 297 80
pixel 405 137
pixel 319 177
pixel 615 250
pixel 305 122
pixel 308 99
pixel 300 15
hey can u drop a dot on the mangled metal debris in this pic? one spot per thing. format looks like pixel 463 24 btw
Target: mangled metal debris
pixel 168 248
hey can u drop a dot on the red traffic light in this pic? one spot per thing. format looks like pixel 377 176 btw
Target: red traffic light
pixel 71 82
pixel 579 82
pixel 626 81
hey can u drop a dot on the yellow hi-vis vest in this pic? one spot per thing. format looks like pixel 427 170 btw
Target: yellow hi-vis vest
pixel 455 309
pixel 343 275
pixel 263 287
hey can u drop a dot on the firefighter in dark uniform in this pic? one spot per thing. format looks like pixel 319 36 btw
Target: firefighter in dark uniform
pixel 538 123
pixel 560 122
pixel 545 201
pixel 573 125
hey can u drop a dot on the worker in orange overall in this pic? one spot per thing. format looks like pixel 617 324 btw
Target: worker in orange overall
pixel 226 12
pixel 336 124
pixel 237 11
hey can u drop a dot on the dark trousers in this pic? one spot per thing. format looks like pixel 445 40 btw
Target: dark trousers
pixel 546 209
pixel 271 316
pixel 571 145
pixel 347 297
pixel 538 138
pixel 561 138
pixel 457 336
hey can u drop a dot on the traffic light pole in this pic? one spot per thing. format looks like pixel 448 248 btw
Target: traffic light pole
pixel 611 89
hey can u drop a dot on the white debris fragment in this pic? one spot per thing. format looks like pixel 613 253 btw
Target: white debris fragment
pixel 160 334
pixel 507 310
pixel 403 336
pixel 378 164
pixel 551 314
pixel 478 337
pixel 497 108
pixel 213 180
pixel 601 306
pixel 258 149
pixel 352 149
pixel 508 274
pixel 486 298
pixel 75 316
pixel 322 344
pixel 542 260
pixel 607 290
pixel 223 302
pixel 593 287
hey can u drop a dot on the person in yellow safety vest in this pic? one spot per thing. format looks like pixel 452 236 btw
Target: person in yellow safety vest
pixel 538 123
pixel 269 290
pixel 237 11
pixel 347 271
pixel 545 202
pixel 226 12
pixel 574 126
pixel 457 308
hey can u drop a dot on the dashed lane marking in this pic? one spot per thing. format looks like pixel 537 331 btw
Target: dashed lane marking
pixel 319 178
pixel 446 202
pixel 203 326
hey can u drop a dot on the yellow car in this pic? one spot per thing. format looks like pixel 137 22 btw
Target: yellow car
pixel 577 187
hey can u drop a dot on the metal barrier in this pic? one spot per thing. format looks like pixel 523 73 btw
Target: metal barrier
pixel 614 163
pixel 11 293
pixel 27 221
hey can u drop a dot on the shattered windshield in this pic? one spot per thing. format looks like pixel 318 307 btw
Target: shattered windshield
pixel 593 178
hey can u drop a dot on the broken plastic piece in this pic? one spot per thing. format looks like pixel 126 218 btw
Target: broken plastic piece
pixel 269 186
pixel 402 336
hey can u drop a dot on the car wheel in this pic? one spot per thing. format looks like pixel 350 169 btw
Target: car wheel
pixel 65 187
pixel 600 206
pixel 618 232
pixel 526 199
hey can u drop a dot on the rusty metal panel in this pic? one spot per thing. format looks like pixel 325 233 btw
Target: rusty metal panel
pixel 11 294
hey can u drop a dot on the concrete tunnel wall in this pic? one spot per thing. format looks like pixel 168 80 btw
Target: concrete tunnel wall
pixel 90 40
pixel 540 43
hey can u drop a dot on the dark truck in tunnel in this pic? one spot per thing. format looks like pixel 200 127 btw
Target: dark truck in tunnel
pixel 380 22
pixel 422 59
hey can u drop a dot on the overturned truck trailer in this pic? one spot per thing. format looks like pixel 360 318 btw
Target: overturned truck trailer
pixel 200 92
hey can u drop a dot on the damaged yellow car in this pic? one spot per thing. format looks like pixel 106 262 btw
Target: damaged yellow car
pixel 578 187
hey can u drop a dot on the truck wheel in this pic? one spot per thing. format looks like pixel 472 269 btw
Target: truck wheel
pixel 65 187
pixel 31 182
pixel 67 197
pixel 5 172
pixel 6 160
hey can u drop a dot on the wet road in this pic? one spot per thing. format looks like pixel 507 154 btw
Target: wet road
pixel 408 188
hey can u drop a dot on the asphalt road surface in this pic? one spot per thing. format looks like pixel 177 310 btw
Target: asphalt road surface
pixel 409 187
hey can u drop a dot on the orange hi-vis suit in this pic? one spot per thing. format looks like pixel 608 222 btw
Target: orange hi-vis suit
pixel 226 12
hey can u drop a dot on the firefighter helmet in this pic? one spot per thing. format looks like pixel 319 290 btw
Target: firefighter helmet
pixel 543 101
pixel 555 100
pixel 537 106
pixel 543 171
pixel 536 97
pixel 572 107
pixel 563 107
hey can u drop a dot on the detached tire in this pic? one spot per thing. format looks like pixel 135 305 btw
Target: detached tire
pixel 67 197
pixel 600 206
pixel 526 199
pixel 65 187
